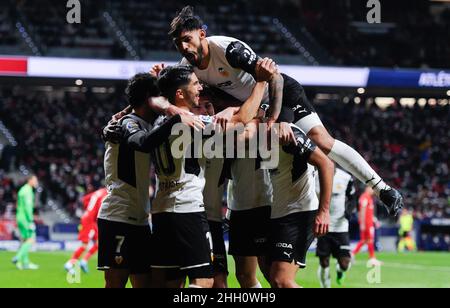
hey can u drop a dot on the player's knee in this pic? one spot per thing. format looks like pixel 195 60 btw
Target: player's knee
pixel 203 283
pixel 344 264
pixel 320 136
pixel 324 262
pixel 246 279
pixel 280 282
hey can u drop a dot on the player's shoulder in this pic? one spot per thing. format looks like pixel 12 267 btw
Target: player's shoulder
pixel 221 40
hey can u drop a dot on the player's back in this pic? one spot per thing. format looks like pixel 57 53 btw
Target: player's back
pixel 92 203
pixel 179 181
pixel 293 180
pixel 127 180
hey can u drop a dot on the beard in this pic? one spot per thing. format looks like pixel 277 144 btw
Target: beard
pixel 197 62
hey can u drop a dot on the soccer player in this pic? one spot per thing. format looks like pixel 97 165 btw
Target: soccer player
pixel 212 197
pixel 337 241
pixel 123 220
pixel 229 64
pixel 367 223
pixel 181 233
pixel 25 223
pixel 88 230
pixel 406 241
pixel 297 214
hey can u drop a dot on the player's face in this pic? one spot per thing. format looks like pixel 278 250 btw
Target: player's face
pixel 205 107
pixel 189 44
pixel 34 182
pixel 191 92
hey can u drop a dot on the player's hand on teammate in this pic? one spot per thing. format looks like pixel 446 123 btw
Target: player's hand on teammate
pixel 265 69
pixel 156 69
pixel 173 110
pixel 192 121
pixel 286 134
pixel 122 113
pixel 322 223
pixel 225 116
pixel 112 132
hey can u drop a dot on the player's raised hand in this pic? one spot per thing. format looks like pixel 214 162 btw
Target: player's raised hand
pixel 121 114
pixel 156 69
pixel 192 121
pixel 322 223
pixel 265 69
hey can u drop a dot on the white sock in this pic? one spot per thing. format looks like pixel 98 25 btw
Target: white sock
pixel 354 163
pixel 194 286
pixel 324 277
pixel 257 286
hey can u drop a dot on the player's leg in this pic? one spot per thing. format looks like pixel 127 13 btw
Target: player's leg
pixel 114 252
pixel 346 157
pixel 323 251
pixel 116 278
pixel 246 268
pixel 139 255
pixel 220 264
pixel 69 266
pixel 361 243
pixel 341 252
pixel 28 234
pixel 84 262
pixel 282 275
pixel 324 272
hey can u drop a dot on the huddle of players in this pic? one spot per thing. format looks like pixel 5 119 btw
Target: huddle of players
pixel 276 227
pixel 273 215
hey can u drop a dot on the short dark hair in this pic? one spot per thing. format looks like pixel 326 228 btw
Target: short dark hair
pixel 140 88
pixel 173 78
pixel 185 21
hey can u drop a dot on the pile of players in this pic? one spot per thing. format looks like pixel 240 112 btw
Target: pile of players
pixel 273 215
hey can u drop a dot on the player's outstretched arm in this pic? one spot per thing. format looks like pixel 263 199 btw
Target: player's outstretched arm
pixel 326 173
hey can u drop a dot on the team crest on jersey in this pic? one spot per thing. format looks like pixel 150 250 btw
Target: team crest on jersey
pixel 119 260
pixel 132 127
pixel 223 72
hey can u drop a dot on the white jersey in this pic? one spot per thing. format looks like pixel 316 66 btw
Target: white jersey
pixel 250 186
pixel 179 182
pixel 214 190
pixel 293 181
pixel 232 63
pixel 127 179
pixel 342 188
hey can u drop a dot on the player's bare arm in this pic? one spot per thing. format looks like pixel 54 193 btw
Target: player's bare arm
pixel 326 173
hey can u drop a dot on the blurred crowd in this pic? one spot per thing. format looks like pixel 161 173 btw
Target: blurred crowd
pixel 59 140
pixel 408 146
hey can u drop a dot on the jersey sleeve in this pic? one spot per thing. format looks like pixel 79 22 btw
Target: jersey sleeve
pixel 350 204
pixel 240 55
pixel 141 140
pixel 305 147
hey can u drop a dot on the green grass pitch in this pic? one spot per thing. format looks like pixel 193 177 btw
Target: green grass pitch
pixel 399 270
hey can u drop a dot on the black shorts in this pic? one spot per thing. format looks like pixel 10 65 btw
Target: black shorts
pixel 123 246
pixel 183 244
pixel 248 233
pixel 220 264
pixel 294 98
pixel 291 236
pixel 335 244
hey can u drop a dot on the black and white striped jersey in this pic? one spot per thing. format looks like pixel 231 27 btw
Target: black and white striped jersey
pixel 293 180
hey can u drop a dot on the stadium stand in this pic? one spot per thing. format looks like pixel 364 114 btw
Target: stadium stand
pixel 59 140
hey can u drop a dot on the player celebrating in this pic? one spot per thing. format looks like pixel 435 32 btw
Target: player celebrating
pixel 229 64
pixel 297 214
pixel 181 233
pixel 88 230
pixel 367 223
pixel 25 223
pixel 337 242
pixel 123 220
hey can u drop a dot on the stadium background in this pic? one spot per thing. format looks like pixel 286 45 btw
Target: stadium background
pixel 383 88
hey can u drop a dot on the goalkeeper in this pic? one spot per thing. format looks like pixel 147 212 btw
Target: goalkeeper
pixel 25 223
